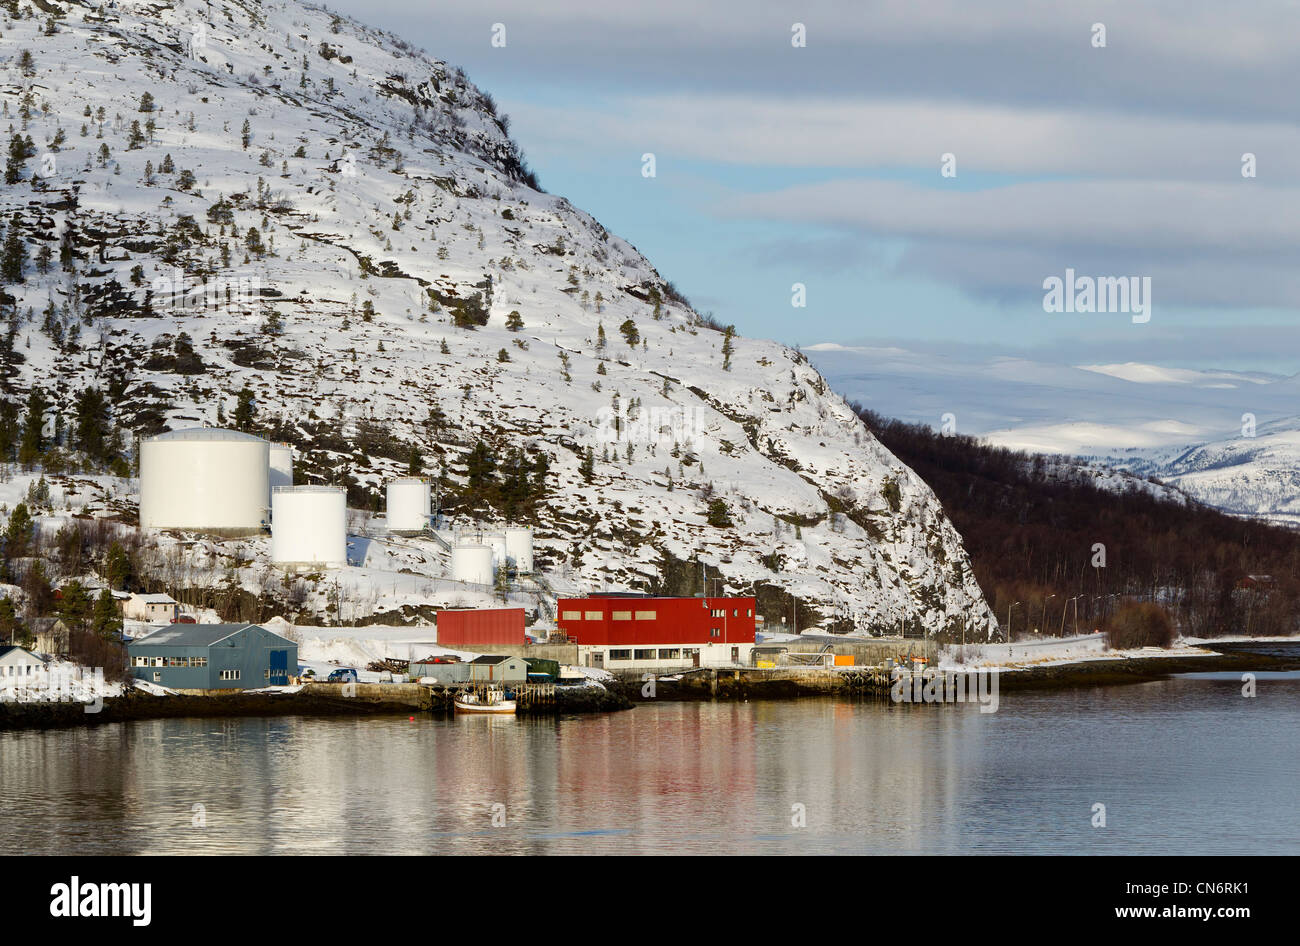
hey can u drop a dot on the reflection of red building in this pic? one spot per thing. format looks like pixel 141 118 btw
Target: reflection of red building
pixel 486 626
pixel 636 632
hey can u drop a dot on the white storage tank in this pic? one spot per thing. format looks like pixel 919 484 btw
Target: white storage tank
pixel 204 479
pixel 497 542
pixel 472 563
pixel 309 526
pixel 519 548
pixel 408 504
pixel 281 471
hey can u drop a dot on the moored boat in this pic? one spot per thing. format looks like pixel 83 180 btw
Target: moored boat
pixel 489 701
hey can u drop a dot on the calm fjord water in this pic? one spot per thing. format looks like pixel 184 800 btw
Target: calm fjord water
pixel 1183 766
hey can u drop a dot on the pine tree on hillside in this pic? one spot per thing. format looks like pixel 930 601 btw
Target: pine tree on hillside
pixel 105 620
pixel 33 443
pixel 92 429
pixel 18 534
pixel 628 328
pixel 245 415
pixel 117 569
pixel 16 159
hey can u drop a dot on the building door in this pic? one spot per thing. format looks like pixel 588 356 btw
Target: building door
pixel 735 655
pixel 279 668
pixel 598 659
pixel 695 657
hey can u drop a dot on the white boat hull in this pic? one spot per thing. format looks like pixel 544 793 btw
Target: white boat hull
pixel 504 708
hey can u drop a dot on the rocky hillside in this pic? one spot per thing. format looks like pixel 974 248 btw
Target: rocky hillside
pixel 264 197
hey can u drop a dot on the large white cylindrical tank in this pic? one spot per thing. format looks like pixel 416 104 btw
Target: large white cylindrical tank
pixel 281 465
pixel 205 479
pixel 472 563
pixel 408 504
pixel 309 526
pixel 519 548
pixel 497 542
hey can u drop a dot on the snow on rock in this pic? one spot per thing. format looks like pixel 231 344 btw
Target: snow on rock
pixel 362 231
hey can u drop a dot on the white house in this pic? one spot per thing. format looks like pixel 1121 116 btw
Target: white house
pixel 19 668
pixel 154 609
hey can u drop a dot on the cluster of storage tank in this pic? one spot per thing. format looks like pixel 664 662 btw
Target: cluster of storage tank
pixel 207 479
pixel 477 556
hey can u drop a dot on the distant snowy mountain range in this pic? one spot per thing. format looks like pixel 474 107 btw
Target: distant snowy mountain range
pixel 265 194
pixel 1229 439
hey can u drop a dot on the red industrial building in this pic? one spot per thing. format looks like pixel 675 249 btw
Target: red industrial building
pixel 488 626
pixel 633 631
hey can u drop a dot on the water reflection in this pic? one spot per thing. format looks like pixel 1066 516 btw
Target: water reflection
pixel 1171 760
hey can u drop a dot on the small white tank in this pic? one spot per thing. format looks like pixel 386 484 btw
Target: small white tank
pixel 408 504
pixel 473 564
pixel 519 548
pixel 281 466
pixel 204 479
pixel 309 527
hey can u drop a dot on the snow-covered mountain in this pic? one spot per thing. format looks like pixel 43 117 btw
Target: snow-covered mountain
pixel 1228 439
pixel 268 195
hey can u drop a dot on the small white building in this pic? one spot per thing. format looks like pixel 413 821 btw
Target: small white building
pixel 154 609
pixel 19 667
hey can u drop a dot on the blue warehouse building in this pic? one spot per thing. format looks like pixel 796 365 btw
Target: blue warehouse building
pixel 213 657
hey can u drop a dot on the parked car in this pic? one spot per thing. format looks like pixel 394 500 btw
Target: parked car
pixel 342 675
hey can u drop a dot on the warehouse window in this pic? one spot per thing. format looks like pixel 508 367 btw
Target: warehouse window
pixel 595 615
pixel 718 613
pixel 230 675
pixel 715 632
pixel 622 615
pixel 199 662
pixel 750 613
pixel 736 613
pixel 648 654
pixel 572 616
pixel 140 661
pixel 670 653
pixel 620 655
pixel 647 615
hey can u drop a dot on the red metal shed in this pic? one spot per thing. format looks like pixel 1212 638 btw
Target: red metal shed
pixel 487 626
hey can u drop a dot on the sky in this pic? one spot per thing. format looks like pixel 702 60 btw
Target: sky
pixel 1109 139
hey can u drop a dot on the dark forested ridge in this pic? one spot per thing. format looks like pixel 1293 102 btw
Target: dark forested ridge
pixel 1037 529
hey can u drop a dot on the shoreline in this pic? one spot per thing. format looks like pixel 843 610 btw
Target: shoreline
pixel 380 700
pixel 1114 671
pixel 311 700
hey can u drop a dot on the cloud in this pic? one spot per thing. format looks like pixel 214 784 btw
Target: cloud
pixel 1194 57
pixel 798 132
